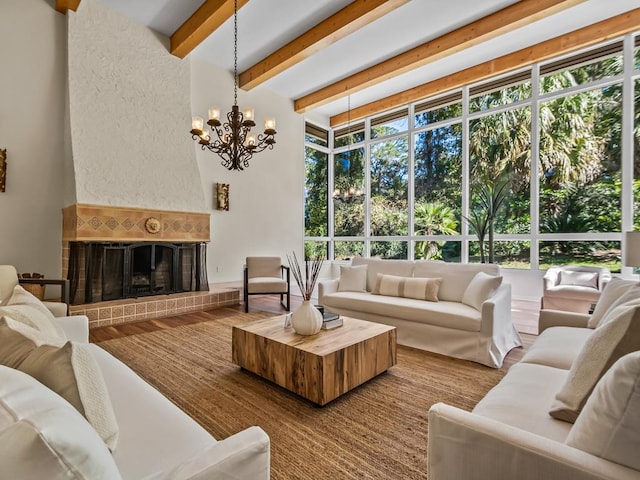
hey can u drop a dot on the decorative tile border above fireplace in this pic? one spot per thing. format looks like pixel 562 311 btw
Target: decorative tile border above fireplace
pixel 82 223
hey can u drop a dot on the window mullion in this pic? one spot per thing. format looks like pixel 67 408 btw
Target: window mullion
pixel 534 179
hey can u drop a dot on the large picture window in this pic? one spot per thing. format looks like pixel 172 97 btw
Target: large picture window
pixel 525 170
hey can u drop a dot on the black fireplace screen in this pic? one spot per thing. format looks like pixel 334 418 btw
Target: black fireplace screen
pixel 101 271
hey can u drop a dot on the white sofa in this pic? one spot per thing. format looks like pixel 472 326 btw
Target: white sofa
pixel 448 326
pixel 511 434
pixel 156 440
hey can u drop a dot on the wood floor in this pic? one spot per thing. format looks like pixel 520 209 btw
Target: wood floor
pixel 524 315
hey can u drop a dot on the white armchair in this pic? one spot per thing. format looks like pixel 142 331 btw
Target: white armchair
pixel 266 275
pixel 573 288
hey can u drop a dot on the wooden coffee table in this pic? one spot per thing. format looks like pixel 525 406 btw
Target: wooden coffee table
pixel 319 367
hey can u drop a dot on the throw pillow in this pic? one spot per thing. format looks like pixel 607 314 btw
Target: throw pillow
pixel 581 279
pixel 353 279
pixel 42 436
pixel 615 288
pixel 25 308
pixel 73 373
pixel 481 287
pixel 18 340
pixel 630 298
pixel 609 425
pixel 408 287
pixel 617 337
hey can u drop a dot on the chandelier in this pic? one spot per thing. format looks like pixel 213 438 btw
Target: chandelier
pixel 234 143
pixel 351 194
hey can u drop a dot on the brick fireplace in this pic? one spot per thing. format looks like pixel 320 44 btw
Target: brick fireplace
pixel 130 264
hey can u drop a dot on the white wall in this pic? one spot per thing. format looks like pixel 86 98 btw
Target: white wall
pixel 265 214
pixel 32 125
pixel 129 104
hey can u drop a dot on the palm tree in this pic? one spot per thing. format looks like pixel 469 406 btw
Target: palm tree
pixel 433 218
pixel 490 197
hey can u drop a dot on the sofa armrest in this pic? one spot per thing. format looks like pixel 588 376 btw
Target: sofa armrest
pixel 241 456
pixel 550 278
pixel 75 327
pixel 466 445
pixel 496 311
pixel 325 287
pixel 558 318
pixel 604 278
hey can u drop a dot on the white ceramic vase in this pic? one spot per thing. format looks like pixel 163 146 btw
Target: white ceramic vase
pixel 306 319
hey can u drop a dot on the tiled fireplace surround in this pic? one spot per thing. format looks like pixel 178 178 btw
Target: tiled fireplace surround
pixel 94 223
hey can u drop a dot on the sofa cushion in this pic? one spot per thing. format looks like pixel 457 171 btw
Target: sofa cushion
pixel 408 287
pixel 266 284
pixel 557 347
pixel 401 268
pixel 573 292
pixel 582 279
pixel 609 424
pixel 445 314
pixel 18 340
pixel 43 436
pixel 72 373
pixel 522 400
pixel 614 339
pixel 352 279
pixel 612 292
pixel 24 307
pixel 481 287
pixel 154 434
pixel 456 277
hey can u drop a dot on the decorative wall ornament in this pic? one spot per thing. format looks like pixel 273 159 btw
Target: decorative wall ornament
pixel 222 196
pixel 3 169
pixel 152 225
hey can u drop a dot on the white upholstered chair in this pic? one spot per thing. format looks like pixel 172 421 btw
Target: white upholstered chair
pixel 573 288
pixel 266 275
pixel 9 279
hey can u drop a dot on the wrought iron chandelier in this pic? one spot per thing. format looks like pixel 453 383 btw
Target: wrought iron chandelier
pixel 235 144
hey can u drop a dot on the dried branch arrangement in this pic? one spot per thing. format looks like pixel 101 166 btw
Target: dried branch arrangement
pixel 311 273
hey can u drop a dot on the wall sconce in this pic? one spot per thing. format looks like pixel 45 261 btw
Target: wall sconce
pixel 3 170
pixel 222 196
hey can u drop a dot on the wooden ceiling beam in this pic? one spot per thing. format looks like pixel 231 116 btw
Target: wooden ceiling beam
pixel 581 38
pixel 508 19
pixel 63 6
pixel 348 20
pixel 201 24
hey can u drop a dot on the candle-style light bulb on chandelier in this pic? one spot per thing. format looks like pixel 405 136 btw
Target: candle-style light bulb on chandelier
pixel 234 143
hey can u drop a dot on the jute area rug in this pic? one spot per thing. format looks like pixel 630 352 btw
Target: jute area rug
pixel 377 431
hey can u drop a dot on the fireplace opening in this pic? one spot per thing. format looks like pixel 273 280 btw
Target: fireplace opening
pixel 102 271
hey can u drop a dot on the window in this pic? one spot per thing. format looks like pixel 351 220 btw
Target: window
pixel 489 171
pixel 316 218
pixel 582 68
pixel 502 91
pixel 390 124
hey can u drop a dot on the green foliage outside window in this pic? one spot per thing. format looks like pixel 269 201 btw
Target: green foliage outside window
pixel 579 173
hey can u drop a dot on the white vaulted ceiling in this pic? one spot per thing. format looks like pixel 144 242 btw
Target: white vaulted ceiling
pixel 267 25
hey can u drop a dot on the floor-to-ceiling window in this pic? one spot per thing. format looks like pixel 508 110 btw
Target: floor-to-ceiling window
pixel 316 213
pixel 524 170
